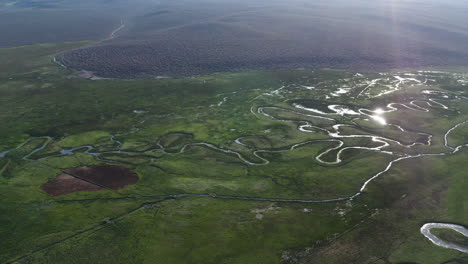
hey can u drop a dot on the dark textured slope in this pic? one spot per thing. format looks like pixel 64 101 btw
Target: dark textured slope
pixel 197 39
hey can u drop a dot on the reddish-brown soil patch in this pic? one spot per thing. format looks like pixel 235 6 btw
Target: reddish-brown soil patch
pixel 65 183
pixel 92 178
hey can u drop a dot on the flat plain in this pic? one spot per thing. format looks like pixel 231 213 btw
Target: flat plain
pixel 266 166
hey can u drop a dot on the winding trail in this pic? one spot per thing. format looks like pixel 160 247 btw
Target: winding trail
pixel 115 31
pixel 111 36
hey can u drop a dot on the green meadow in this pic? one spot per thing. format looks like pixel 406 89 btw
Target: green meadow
pixel 222 161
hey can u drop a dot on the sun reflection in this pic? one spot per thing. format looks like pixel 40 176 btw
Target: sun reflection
pixel 379 111
pixel 379 119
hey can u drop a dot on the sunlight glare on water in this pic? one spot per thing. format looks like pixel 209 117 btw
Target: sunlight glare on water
pixel 379 119
pixel 379 111
pixel 378 116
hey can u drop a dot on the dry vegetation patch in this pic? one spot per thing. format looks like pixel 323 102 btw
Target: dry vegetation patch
pixel 91 178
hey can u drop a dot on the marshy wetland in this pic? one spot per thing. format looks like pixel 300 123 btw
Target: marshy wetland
pixel 318 166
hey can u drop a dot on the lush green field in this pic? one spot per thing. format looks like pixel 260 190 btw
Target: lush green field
pixel 243 151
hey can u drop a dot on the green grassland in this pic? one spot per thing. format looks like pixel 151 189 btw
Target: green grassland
pixel 156 127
